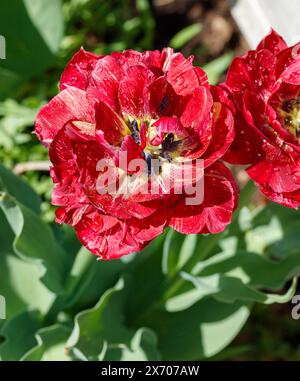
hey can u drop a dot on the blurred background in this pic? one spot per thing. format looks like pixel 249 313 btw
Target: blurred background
pixel 41 36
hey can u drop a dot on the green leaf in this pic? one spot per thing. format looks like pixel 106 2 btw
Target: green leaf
pixel 252 268
pixel 288 245
pixel 32 37
pixel 185 35
pixel 21 287
pixel 87 282
pixel 35 243
pixel 143 347
pixel 145 279
pixel 50 344
pixel 230 277
pixel 100 326
pixel 19 189
pixel 217 67
pixel 15 117
pixel 100 333
pixel 47 17
pixel 200 331
pixel 19 335
pixel 19 281
pixel 186 334
pixel 90 278
pixel 226 289
pixel 171 251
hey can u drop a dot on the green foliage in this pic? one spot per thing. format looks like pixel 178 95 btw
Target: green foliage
pixel 217 67
pixel 184 297
pixel 112 25
pixel 185 35
pixel 27 24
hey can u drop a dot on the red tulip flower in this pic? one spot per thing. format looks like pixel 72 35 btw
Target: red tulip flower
pixel 265 88
pixel 151 105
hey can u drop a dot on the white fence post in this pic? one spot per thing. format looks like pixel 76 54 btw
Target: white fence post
pixel 256 17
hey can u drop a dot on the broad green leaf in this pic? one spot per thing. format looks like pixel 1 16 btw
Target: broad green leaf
pixel 187 334
pixel 37 27
pixel 47 17
pixel 18 188
pixel 19 335
pixel 19 280
pixel 185 35
pixel 100 326
pixel 177 250
pixel 87 281
pixel 145 280
pixel 20 285
pixel 226 289
pixel 198 332
pixel 230 277
pixel 252 268
pixel 33 30
pixel 288 245
pixel 202 288
pixel 34 242
pixel 51 344
pixel 143 347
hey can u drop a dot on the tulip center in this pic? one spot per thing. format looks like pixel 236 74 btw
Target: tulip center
pixel 291 114
pixel 165 151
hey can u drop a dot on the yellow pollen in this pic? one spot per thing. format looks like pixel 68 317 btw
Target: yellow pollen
pixel 290 113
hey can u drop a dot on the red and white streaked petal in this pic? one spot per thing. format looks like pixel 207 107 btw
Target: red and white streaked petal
pixel 167 125
pixel 134 94
pixel 123 207
pixel 222 134
pixel 112 238
pixel 180 74
pixel 128 58
pixel 78 71
pixel 63 108
pixel 247 147
pixel 273 42
pixel 215 212
pixel 202 77
pixel 197 112
pixel 163 99
pixel 76 171
pixel 288 65
pixel 110 123
pixel 153 60
pixel 104 82
pixel 255 72
pixel 278 180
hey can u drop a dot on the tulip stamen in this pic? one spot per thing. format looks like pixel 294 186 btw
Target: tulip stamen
pixel 135 131
pixel 164 104
pixel 148 158
pixel 291 114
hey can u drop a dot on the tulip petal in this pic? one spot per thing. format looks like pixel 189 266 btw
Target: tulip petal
pixel 60 110
pixel 214 213
pixel 77 72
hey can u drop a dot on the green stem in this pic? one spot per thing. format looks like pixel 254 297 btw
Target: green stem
pixel 79 273
pixel 175 282
pixel 172 285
